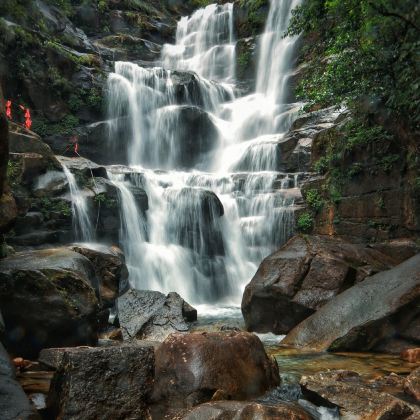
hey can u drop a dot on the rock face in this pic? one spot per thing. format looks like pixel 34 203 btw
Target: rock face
pixel 236 410
pixel 379 199
pixel 365 315
pixel 305 274
pixel 14 404
pixel 56 288
pixel 345 390
pixel 110 269
pixel 144 314
pixel 412 384
pixel 4 143
pixel 191 368
pixel 110 382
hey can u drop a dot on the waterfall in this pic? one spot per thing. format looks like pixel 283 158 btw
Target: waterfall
pixel 82 224
pixel 209 162
pixel 204 44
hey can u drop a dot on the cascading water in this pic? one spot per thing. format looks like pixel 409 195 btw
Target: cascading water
pixel 207 160
pixel 81 220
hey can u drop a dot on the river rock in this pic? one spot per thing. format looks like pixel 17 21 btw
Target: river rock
pixel 238 410
pixel 14 403
pixel 355 401
pixel 366 314
pixel 192 368
pixel 56 288
pixel 109 382
pixel 302 276
pixel 145 314
pixel 412 384
pixel 110 269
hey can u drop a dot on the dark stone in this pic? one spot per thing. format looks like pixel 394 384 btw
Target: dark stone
pixel 196 214
pixel 191 368
pixel 355 400
pixel 4 144
pixel 412 384
pixel 14 403
pixel 114 382
pixel 57 289
pixel 152 315
pixel 236 410
pixel 364 315
pixel 302 276
pixel 110 269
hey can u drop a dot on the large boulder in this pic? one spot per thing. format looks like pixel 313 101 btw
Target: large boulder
pixel 56 288
pixel 306 273
pixel 365 315
pixel 14 404
pixel 110 269
pixel 145 314
pixel 110 382
pixel 412 384
pixel 238 410
pixel 192 368
pixel 355 400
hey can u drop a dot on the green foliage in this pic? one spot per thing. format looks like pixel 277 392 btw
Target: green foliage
pixel 49 206
pixel 314 200
pixel 103 199
pixel 305 223
pixel 362 51
pixel 13 172
pixel 66 126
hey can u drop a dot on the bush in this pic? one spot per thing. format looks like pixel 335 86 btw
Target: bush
pixel 305 223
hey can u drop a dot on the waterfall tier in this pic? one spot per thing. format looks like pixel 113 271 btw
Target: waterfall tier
pixel 209 162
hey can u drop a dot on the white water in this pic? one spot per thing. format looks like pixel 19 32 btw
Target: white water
pixel 82 224
pixel 189 241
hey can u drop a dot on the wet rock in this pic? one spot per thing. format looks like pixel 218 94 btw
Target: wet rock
pixel 50 184
pixel 302 276
pixel 149 315
pixel 114 382
pixel 356 401
pixel 365 315
pixel 195 220
pixel 412 384
pixel 8 212
pixel 23 141
pixel 236 410
pixel 411 355
pixel 192 368
pixel 57 289
pixel 110 269
pixel 4 144
pixel 84 167
pixel 14 403
pixel 29 166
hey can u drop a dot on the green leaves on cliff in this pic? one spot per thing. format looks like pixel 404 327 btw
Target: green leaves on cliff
pixel 361 51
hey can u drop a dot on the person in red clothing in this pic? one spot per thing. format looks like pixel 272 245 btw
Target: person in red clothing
pixel 28 121
pixel 9 109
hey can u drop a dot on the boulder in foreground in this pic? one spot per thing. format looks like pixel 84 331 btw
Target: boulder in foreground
pixel 48 299
pixel 308 272
pixel 193 368
pixel 14 404
pixel 356 401
pixel 238 410
pixel 148 315
pixel 108 383
pixel 365 315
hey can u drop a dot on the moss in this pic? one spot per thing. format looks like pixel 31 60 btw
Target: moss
pixel 14 172
pixel 314 200
pixel 305 223
pixel 103 199
pixel 49 206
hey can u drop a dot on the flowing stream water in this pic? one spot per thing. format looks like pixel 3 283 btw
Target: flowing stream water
pixel 208 160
